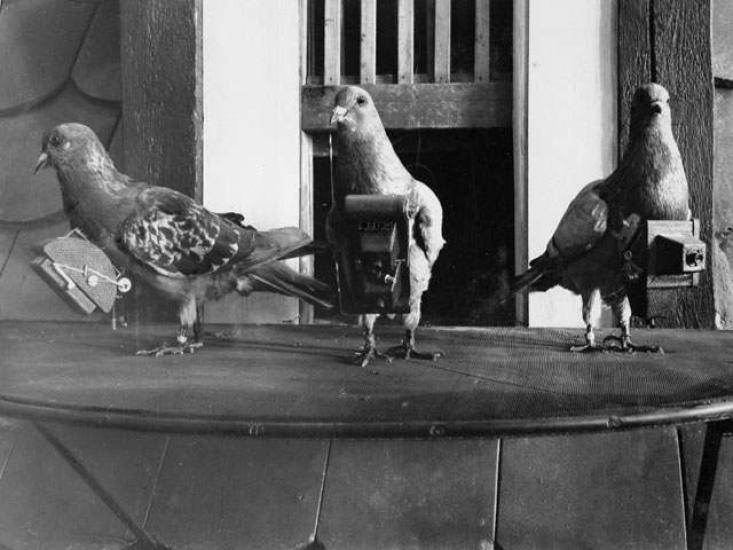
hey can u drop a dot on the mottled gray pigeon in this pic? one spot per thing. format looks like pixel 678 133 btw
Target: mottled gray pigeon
pixel 166 239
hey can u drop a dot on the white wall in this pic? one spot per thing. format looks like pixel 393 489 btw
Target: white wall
pixel 572 125
pixel 251 93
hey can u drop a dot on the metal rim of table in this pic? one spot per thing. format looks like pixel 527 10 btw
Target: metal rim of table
pixel 150 421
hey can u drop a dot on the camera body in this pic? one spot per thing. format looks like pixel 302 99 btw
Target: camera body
pixel 671 256
pixel 374 273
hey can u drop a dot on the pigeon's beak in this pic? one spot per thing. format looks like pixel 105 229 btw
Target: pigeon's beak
pixel 338 115
pixel 41 163
pixel 657 107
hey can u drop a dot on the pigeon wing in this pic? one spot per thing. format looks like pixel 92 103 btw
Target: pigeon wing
pixel 584 223
pixel 175 236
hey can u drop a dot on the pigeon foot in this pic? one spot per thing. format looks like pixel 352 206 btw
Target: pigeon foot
pixel 625 345
pixel 587 348
pixel 364 356
pixel 172 349
pixel 407 351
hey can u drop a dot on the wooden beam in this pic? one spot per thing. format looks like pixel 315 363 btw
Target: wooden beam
pixel 332 43
pixel 405 41
pixel 162 107
pixel 456 105
pixel 669 42
pixel 442 41
pixel 162 66
pixel 682 54
pixel 482 54
pixel 634 60
pixel 368 71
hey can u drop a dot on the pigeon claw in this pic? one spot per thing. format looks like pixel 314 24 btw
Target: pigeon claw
pixel 173 349
pixel 406 351
pixel 625 345
pixel 364 356
pixel 587 348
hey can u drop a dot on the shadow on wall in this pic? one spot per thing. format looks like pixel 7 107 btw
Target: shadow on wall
pixel 60 62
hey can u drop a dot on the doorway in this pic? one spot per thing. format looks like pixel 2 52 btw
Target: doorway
pixel 463 150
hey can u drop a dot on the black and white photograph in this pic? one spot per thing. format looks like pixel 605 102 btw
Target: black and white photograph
pixel 366 274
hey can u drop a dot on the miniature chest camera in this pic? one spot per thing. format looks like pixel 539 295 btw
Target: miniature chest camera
pixel 374 275
pixel 671 256
pixel 81 273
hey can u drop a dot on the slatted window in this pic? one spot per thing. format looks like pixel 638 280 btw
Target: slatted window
pixel 427 63
pixel 440 72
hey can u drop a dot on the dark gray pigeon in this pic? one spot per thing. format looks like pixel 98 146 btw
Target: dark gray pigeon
pixel 585 254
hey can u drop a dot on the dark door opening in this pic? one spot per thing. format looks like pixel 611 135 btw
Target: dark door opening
pixel 471 171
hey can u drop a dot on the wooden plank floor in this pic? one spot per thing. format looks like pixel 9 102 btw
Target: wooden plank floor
pixel 607 490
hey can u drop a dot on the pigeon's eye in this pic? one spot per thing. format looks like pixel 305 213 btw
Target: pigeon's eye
pixel 55 140
pixel 361 100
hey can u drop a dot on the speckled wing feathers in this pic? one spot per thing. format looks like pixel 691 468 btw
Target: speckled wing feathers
pixel 177 237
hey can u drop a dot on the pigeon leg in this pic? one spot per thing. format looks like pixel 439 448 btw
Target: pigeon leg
pixel 369 351
pixel 591 313
pixel 590 342
pixel 622 312
pixel 190 325
pixel 406 350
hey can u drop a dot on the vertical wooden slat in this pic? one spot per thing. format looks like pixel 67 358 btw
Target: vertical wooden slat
pixel 442 40
pixel 519 131
pixel 368 74
pixel 405 41
pixel 332 43
pixel 306 215
pixel 306 168
pixel 481 53
pixel 303 9
pixel 430 38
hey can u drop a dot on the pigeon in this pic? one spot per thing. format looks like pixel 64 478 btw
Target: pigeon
pixel 166 239
pixel 586 253
pixel 366 163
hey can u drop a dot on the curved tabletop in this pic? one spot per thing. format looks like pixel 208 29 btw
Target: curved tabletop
pixel 297 381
